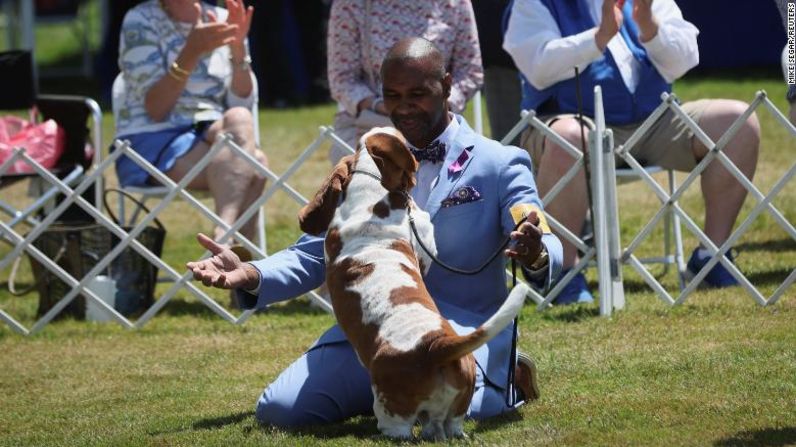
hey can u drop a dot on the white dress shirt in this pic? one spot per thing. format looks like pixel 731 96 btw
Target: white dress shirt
pixel 534 41
pixel 428 172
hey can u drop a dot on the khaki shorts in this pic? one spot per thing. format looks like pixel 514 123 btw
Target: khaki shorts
pixel 667 143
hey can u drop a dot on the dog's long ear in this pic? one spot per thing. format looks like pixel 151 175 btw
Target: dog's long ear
pixel 396 163
pixel 314 217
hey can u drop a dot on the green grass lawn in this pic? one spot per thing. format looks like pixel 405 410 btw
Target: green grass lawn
pixel 719 370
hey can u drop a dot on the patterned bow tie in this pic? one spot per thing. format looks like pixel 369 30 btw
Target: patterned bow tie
pixel 434 152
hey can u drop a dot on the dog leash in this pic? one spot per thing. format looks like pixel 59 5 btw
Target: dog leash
pixel 511 390
pixel 431 255
pixel 369 174
pixel 455 269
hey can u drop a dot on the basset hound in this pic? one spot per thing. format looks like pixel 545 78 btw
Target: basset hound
pixel 420 368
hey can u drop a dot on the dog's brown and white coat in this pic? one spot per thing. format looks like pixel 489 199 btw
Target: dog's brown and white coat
pixel 420 368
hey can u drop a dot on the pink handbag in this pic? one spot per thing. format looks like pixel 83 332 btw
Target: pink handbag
pixel 43 142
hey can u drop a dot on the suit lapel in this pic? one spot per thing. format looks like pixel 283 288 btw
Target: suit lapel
pixel 457 159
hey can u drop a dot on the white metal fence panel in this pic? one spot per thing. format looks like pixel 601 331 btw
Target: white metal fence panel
pixel 670 202
pixel 181 279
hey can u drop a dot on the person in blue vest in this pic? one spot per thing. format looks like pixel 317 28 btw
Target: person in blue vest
pixel 475 191
pixel 634 50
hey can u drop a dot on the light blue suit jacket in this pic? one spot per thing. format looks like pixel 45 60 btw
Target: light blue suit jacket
pixel 466 235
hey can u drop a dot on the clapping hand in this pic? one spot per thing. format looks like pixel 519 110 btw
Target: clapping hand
pixel 642 15
pixel 206 36
pixel 612 19
pixel 240 16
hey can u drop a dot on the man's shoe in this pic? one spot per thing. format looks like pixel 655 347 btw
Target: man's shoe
pixel 718 276
pixel 525 378
pixel 576 291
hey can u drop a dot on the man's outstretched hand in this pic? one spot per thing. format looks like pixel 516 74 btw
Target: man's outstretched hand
pixel 224 269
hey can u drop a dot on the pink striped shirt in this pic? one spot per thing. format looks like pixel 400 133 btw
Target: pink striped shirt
pixel 353 51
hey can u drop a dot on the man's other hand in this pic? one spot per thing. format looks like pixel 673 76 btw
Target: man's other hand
pixel 224 269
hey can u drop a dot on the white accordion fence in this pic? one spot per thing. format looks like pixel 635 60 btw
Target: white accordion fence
pixel 606 252
pixel 669 202
pixel 22 244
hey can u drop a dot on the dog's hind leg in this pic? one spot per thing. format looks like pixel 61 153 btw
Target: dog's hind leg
pixel 454 427
pixel 434 430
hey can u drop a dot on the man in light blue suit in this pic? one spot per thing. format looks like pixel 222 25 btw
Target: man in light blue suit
pixel 475 191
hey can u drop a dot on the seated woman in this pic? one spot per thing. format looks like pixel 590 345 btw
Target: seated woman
pixel 187 78
pixel 360 34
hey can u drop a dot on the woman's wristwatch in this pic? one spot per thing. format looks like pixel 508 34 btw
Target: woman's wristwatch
pixel 244 65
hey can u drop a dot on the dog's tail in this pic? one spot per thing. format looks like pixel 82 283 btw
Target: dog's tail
pixel 450 348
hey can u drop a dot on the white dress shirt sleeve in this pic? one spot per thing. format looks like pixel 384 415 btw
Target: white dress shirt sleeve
pixel 534 41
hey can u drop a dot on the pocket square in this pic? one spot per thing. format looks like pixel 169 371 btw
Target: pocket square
pixel 465 194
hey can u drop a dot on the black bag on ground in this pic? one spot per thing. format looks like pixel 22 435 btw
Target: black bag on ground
pixel 77 248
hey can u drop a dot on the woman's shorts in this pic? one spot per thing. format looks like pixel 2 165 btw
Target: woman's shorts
pixel 161 148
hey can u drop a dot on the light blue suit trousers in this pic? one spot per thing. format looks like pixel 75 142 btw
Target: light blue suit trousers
pixel 328 384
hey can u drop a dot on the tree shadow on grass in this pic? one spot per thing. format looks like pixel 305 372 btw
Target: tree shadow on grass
pixel 758 279
pixel 362 427
pixel 769 246
pixel 766 437
pixel 639 286
pixel 497 422
pixel 222 421
pixel 181 307
pixel 769 277
pixel 365 427
pixel 299 306
pixel 573 313
pixel 213 423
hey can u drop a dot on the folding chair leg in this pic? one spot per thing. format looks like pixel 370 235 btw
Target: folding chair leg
pixel 261 230
pixel 668 225
pixel 122 217
pixel 679 260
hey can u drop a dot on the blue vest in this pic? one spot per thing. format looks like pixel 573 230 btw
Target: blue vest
pixel 621 106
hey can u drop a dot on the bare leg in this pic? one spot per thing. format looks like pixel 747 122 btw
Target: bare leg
pixel 570 205
pixel 723 194
pixel 232 181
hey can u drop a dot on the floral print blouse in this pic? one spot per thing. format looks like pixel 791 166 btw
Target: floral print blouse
pixel 357 43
